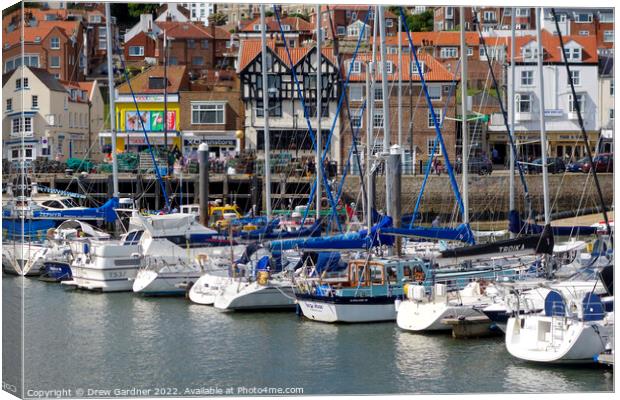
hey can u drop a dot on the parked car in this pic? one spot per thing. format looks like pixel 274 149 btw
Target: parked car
pixel 555 165
pixel 576 166
pixel 477 165
pixel 604 162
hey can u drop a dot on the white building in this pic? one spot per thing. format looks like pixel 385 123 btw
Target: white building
pixel 200 11
pixel 561 120
pixel 606 103
pixel 55 119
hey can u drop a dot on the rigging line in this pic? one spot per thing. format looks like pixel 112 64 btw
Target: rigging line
pixel 345 171
pixel 339 106
pixel 435 142
pixel 455 187
pixel 146 137
pixel 528 200
pixel 340 59
pixel 584 135
pixel 301 98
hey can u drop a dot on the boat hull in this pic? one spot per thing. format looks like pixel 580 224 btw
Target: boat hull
pixel 151 283
pixel 420 317
pixel 348 310
pixel 252 296
pixel 537 339
pixel 207 287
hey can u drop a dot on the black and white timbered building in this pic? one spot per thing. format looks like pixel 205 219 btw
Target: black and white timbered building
pixel 288 127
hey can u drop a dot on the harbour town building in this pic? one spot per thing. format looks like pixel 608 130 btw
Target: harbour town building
pixel 56 119
pixel 289 134
pixel 561 120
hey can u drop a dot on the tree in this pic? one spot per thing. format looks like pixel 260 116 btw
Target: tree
pixel 219 19
pixel 305 17
pixel 136 9
pixel 422 22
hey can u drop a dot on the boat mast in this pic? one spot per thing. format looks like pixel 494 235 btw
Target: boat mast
pixel 541 115
pixel 386 110
pixel 400 84
pixel 111 108
pixel 511 105
pixel 319 145
pixel 265 112
pixel 464 128
pixel 369 119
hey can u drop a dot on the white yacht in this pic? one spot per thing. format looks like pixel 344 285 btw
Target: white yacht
pixel 172 239
pixel 574 328
pixel 422 312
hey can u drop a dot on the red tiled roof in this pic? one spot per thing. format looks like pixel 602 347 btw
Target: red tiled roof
pixel 433 69
pixel 140 82
pixel 552 48
pixel 297 24
pixel 190 30
pixel 41 30
pixel 444 38
pixel 250 49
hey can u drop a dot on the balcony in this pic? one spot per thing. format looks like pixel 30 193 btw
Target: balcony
pixel 523 116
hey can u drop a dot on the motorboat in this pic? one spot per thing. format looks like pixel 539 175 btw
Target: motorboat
pixel 172 239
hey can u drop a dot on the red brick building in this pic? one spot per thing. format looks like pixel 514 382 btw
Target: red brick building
pixel 417 125
pixel 192 44
pixel 343 16
pixel 55 46
pixel 296 30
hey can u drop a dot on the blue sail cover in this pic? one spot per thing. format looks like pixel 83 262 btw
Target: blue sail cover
pixel 518 226
pixel 461 233
pixel 105 213
pixel 347 241
pixel 259 221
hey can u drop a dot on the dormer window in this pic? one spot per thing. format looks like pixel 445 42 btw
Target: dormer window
pixel 414 68
pixel 583 18
pixel 55 43
pixel 286 28
pixel 257 27
pixel 572 54
pixel 156 82
pixel 356 67
pixel 37 39
pixel 94 19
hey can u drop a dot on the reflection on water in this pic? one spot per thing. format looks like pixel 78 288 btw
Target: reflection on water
pixel 82 339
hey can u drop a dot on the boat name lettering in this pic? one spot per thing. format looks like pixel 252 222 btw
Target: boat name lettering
pixel 516 247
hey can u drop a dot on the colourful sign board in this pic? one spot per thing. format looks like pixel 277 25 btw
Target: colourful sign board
pixel 153 121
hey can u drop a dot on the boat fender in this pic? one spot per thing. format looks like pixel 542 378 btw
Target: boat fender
pixel 397 304
pixel 263 277
pixel 86 248
pixel 406 290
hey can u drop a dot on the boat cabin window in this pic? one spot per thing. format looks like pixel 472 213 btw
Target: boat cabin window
pixel 407 272
pixel 376 274
pixel 52 204
pixel 133 238
pixel 392 275
pixel 217 215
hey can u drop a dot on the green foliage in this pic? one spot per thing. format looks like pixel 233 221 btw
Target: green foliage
pixel 269 14
pixel 219 19
pixel 136 9
pixel 305 17
pixel 422 22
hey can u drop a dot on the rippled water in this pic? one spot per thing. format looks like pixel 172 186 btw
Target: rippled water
pixel 76 339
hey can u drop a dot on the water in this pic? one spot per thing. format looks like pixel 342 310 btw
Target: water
pixel 75 339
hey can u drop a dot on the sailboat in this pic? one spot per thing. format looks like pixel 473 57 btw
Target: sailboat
pixel 575 326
